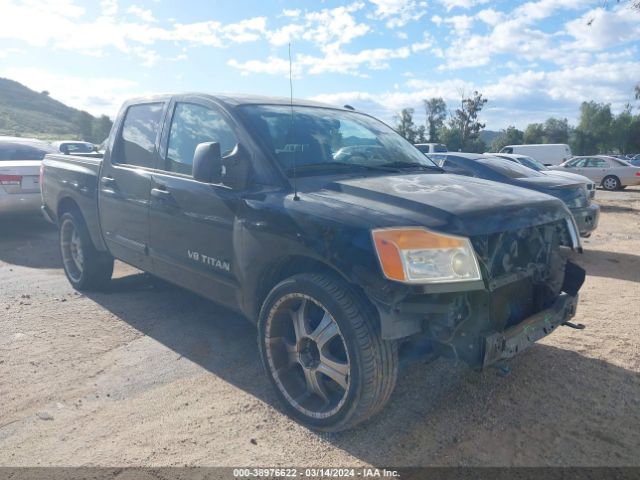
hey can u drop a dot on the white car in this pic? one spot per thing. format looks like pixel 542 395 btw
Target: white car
pixel 609 172
pixel 20 161
pixel 540 167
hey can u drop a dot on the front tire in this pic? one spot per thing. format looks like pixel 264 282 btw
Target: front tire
pixel 321 347
pixel 611 183
pixel 85 267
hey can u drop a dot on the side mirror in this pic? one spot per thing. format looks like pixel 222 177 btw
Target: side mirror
pixel 207 163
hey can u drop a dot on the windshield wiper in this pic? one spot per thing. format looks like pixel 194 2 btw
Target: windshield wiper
pixel 413 165
pixel 341 166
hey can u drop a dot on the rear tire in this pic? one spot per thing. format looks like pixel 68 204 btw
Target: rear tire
pixel 320 345
pixel 611 183
pixel 85 267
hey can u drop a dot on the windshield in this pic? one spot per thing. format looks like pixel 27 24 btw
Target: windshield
pixel 508 168
pixel 316 140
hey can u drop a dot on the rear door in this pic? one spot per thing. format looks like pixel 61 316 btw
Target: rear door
pixel 192 234
pixel 125 182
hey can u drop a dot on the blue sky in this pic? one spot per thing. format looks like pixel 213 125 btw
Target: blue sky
pixel 531 59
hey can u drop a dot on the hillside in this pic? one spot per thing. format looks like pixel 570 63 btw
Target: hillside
pixel 487 136
pixel 26 113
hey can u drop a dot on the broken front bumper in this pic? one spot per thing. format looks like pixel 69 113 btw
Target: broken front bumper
pixel 503 345
pixel 586 218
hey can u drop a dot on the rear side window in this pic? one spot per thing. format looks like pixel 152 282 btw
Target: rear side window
pixel 17 151
pixel 506 150
pixel 193 124
pixel 139 131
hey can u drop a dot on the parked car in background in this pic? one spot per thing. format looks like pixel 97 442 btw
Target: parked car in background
pixel 609 172
pixel 546 153
pixel 574 194
pixel 540 167
pixel 20 161
pixel 431 147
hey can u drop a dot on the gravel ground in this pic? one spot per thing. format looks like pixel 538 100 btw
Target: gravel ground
pixel 148 374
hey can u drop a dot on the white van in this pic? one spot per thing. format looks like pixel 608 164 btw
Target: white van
pixel 547 153
pixel 431 147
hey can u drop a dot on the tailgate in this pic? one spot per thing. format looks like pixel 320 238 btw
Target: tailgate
pixel 20 176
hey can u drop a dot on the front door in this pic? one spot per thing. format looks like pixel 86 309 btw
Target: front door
pixel 192 233
pixel 125 182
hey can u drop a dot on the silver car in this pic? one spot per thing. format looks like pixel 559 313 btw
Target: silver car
pixel 609 172
pixel 542 168
pixel 20 161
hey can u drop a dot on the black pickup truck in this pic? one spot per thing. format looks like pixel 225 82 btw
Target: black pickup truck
pixel 337 237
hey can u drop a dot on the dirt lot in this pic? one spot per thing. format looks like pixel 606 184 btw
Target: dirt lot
pixel 148 374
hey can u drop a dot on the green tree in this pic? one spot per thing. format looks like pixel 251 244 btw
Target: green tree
pixel 436 111
pixel 451 137
pixel 621 130
pixel 100 129
pixel 593 133
pixel 556 130
pixel 465 121
pixel 534 133
pixel 510 136
pixel 406 127
pixel 84 122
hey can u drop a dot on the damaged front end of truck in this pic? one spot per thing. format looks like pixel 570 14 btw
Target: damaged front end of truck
pixel 529 287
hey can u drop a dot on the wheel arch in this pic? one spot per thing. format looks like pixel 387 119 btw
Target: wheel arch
pixel 285 267
pixel 69 204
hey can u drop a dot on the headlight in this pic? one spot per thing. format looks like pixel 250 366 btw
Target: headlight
pixel 416 255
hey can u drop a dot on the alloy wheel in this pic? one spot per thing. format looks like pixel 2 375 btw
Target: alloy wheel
pixel 71 249
pixel 307 355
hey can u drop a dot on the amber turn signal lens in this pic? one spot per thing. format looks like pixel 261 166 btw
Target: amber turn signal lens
pixel 390 242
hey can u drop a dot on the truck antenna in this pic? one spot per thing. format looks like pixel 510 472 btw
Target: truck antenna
pixel 295 178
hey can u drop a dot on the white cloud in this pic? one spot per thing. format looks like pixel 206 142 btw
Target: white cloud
pixel 398 13
pixel 334 61
pixel 516 99
pixel 600 29
pixel 451 4
pixel 270 66
pixel 291 12
pixel 461 23
pixel 145 15
pixel 335 26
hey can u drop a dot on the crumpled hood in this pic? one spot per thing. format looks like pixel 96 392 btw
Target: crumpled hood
pixel 448 203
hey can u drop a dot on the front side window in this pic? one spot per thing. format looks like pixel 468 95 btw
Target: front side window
pixel 139 131
pixel 315 140
pixel 193 124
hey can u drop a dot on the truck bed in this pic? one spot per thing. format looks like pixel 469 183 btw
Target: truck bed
pixel 72 179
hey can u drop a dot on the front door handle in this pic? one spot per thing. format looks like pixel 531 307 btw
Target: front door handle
pixel 108 181
pixel 162 193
